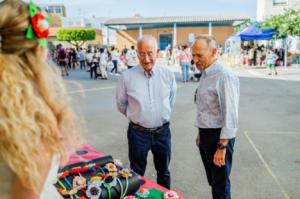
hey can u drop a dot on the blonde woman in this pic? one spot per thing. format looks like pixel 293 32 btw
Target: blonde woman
pixel 35 119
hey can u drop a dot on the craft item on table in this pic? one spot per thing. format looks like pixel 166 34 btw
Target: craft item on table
pixel 79 183
pixel 126 187
pixel 130 197
pixel 64 191
pixel 121 188
pixel 111 181
pixel 171 195
pixel 118 162
pixel 112 169
pixel 70 193
pixel 99 170
pixel 94 190
pixel 89 167
pixel 155 193
pixel 96 178
pixel 108 190
pixel 76 170
pixel 63 174
pixel 142 193
pixel 125 173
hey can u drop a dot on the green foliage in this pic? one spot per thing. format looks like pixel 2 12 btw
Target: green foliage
pixel 287 23
pixel 242 25
pixel 76 37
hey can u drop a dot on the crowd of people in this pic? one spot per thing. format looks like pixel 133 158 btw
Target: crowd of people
pixel 94 60
pixel 259 56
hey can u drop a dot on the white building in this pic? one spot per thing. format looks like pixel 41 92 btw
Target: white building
pixel 266 8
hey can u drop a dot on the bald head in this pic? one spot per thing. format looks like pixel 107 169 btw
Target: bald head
pixel 204 50
pixel 147 52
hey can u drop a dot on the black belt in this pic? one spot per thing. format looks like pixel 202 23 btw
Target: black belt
pixel 156 130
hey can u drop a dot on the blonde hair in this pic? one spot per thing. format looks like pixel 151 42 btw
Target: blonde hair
pixel 29 90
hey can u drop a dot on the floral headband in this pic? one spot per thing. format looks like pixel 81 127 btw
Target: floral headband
pixel 39 26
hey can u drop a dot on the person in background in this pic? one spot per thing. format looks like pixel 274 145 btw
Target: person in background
pixel 95 65
pixel 114 59
pixel 132 59
pixel 82 60
pixel 271 61
pixel 184 61
pixel 123 59
pixel 103 63
pixel 89 59
pixel 62 60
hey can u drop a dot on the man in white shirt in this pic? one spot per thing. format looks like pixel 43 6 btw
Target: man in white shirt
pixel 217 100
pixel 132 59
pixel 114 59
pixel 103 64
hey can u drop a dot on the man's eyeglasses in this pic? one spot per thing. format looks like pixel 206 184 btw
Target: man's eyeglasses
pixel 143 55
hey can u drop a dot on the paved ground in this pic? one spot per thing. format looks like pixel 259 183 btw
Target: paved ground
pixel 266 160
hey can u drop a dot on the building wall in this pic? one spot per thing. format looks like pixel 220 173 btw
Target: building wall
pixel 123 39
pixel 266 8
pixel 220 33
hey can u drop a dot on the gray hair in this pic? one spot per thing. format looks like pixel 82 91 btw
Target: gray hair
pixel 147 37
pixel 210 40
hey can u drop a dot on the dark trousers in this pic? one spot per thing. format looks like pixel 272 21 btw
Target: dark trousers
pixel 140 143
pixel 115 68
pixel 63 68
pixel 218 177
pixel 82 65
pixel 253 62
pixel 94 71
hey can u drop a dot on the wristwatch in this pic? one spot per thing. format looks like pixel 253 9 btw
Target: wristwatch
pixel 221 146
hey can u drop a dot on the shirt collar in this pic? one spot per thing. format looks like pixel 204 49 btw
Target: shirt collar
pixel 152 72
pixel 212 69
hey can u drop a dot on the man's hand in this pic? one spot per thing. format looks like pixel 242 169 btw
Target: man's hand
pixel 219 157
pixel 197 140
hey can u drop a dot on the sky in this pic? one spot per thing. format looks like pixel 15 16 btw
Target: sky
pixel 156 8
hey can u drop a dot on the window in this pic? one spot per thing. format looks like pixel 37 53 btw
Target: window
pixel 88 24
pixel 50 10
pixel 191 37
pixel 58 10
pixel 280 2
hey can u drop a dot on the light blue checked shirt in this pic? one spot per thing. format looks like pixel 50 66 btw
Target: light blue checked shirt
pixel 217 100
pixel 147 100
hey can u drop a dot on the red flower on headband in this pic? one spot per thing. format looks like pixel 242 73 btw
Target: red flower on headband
pixel 40 26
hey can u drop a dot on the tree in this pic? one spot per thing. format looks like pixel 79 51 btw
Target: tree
pixel 287 23
pixel 242 25
pixel 76 37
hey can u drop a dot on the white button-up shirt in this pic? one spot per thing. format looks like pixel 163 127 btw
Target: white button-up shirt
pixel 147 100
pixel 217 99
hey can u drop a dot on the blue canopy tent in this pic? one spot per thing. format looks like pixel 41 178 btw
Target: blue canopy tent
pixel 253 32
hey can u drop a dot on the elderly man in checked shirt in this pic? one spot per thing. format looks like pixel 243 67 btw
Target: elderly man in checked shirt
pixel 217 100
pixel 146 96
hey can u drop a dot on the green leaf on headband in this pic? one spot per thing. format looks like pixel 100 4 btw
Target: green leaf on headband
pixel 43 42
pixel 30 33
pixel 33 9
